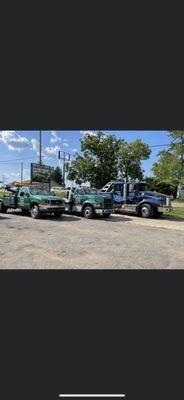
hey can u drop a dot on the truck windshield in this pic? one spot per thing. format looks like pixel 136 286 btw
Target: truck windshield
pixel 39 192
pixel 143 187
pixel 90 191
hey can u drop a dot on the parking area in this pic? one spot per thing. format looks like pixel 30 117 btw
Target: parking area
pixel 71 241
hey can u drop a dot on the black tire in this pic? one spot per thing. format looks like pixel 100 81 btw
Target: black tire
pixel 146 211
pixel 35 212
pixel 158 214
pixel 88 212
pixel 58 214
pixel 3 209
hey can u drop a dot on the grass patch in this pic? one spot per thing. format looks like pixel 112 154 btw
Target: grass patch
pixel 179 201
pixel 177 212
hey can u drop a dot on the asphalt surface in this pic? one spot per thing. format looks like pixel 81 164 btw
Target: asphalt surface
pixel 75 242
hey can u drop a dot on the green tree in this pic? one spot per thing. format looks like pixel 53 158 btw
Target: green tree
pixel 130 157
pixel 57 176
pixel 168 168
pixel 170 165
pixel 161 187
pixel 99 162
pixel 177 147
pixel 40 178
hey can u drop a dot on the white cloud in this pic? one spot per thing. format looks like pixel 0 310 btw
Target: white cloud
pixel 51 151
pixel 47 152
pixel 35 145
pixel 74 150
pixel 54 137
pixel 14 141
pixel 65 144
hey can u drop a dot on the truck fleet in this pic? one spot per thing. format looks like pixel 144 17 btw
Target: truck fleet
pixel 36 201
pixel 127 197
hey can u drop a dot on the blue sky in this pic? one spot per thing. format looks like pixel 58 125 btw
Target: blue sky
pixel 22 146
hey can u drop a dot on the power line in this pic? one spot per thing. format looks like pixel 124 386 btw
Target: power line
pixel 20 159
pixel 160 145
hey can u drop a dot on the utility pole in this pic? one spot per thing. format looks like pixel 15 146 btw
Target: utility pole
pixel 64 162
pixel 64 169
pixel 40 152
pixel 21 173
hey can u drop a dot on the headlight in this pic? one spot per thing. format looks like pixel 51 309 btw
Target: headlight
pixel 97 205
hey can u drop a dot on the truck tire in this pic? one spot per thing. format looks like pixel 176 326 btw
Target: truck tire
pixel 88 212
pixel 58 214
pixel 3 209
pixel 158 214
pixel 146 211
pixel 35 212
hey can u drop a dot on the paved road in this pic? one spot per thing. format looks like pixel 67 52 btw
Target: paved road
pixel 74 242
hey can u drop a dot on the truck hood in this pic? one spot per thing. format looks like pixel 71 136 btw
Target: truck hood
pixel 155 196
pixel 98 198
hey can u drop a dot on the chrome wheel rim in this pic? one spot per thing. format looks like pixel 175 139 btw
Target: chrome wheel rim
pixel 87 212
pixel 34 211
pixel 145 211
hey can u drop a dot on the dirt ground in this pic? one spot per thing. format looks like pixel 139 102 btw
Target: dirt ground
pixel 74 242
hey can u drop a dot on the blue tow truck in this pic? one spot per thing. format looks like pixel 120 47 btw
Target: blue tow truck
pixel 136 198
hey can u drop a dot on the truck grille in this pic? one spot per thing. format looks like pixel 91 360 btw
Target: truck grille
pixel 108 203
pixel 168 201
pixel 56 202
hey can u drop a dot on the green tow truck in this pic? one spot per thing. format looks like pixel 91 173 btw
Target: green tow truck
pixel 31 200
pixel 88 202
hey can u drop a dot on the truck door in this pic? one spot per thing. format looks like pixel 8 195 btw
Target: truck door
pixel 21 195
pixel 80 196
pixel 23 199
pixel 132 194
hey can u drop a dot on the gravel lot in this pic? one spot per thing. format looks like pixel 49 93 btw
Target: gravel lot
pixel 74 242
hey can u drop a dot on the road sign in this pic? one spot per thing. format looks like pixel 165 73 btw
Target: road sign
pixel 41 173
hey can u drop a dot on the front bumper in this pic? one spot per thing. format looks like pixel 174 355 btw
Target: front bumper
pixel 51 208
pixel 165 208
pixel 101 211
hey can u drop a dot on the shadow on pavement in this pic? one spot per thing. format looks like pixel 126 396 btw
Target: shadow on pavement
pixel 63 218
pixel 19 213
pixel 2 217
pixel 171 218
pixel 116 219
pixel 48 217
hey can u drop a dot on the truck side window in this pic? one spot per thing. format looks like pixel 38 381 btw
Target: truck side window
pixel 118 189
pixel 80 192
